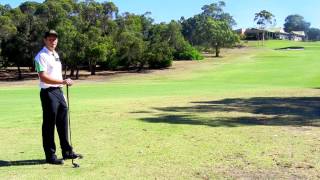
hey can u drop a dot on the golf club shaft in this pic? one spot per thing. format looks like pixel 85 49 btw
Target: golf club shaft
pixel 69 123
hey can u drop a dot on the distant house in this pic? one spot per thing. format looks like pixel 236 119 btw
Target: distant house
pixel 297 35
pixel 271 33
pixel 277 33
pixel 250 33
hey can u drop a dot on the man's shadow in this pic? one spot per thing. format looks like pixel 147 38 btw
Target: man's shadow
pixel 22 162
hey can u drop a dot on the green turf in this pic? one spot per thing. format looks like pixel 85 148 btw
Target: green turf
pixel 252 114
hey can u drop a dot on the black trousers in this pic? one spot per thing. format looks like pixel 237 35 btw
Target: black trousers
pixel 55 113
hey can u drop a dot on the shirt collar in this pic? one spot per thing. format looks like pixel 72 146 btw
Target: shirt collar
pixel 49 52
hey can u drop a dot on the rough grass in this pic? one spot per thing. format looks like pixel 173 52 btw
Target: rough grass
pixel 253 114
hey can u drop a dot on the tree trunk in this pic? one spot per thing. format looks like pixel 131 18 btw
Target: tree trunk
pixel 217 50
pixel 19 73
pixel 263 37
pixel 93 69
pixel 71 72
pixel 77 72
pixel 65 71
pixel 140 67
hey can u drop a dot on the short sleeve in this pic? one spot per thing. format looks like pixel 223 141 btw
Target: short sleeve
pixel 40 64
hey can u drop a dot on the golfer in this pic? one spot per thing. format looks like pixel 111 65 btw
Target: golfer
pixel 54 107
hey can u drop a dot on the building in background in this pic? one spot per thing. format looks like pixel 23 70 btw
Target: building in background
pixel 271 33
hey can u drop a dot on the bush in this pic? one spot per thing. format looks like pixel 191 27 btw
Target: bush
pixel 188 53
pixel 160 55
pixel 157 63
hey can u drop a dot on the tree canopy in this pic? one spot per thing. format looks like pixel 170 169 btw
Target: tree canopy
pixel 295 23
pixel 263 19
pixel 212 28
pixel 95 35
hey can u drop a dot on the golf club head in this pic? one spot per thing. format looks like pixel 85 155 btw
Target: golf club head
pixel 75 165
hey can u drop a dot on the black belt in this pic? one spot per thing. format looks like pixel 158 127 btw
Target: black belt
pixel 50 88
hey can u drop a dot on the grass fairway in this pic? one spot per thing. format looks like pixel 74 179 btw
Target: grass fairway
pixel 254 113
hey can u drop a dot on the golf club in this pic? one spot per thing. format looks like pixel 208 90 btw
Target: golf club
pixel 75 165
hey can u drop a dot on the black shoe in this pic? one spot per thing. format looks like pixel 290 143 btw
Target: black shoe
pixel 54 160
pixel 71 155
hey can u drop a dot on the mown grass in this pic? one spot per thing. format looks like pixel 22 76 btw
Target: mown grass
pixel 251 114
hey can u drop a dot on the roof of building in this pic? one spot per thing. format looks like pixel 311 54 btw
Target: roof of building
pixel 299 33
pixel 277 30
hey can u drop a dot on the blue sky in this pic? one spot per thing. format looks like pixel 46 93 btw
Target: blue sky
pixel 242 10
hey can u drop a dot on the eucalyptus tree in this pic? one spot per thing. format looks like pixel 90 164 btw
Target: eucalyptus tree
pixel 32 28
pixel 91 13
pixel 263 19
pixel 215 10
pixel 7 26
pixel 109 14
pixel 52 12
pixel 18 48
pixel 7 30
pixel 97 49
pixel 67 33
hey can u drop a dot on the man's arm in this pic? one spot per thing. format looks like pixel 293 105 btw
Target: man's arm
pixel 47 79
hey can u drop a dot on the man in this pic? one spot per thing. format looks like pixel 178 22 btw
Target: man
pixel 54 107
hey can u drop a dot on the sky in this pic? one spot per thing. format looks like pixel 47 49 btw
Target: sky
pixel 242 10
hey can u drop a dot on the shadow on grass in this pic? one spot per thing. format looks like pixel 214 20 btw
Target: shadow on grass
pixel 273 111
pixel 22 162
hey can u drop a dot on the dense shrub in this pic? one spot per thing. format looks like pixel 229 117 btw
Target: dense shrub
pixel 188 53
pixel 159 55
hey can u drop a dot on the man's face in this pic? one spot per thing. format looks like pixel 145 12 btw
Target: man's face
pixel 51 42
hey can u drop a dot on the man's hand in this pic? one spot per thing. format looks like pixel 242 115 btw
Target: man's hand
pixel 68 82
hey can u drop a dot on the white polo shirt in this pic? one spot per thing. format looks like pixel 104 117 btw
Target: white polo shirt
pixel 49 62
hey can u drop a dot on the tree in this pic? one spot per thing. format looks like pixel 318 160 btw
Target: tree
pixel 52 12
pixel 109 13
pixel 215 10
pixel 14 50
pixel 130 22
pixel 7 28
pixel 296 23
pixel 263 19
pixel 181 49
pixel 4 9
pixel 67 33
pixel 96 52
pixel 159 52
pixel 31 26
pixel 159 55
pixel 212 28
pixel 313 34
pixel 218 34
pixel 130 49
pixel 97 48
pixel 17 49
pixel 91 13
pixel 78 55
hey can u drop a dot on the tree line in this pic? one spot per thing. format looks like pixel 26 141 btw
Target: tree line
pixel 294 22
pixel 93 34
